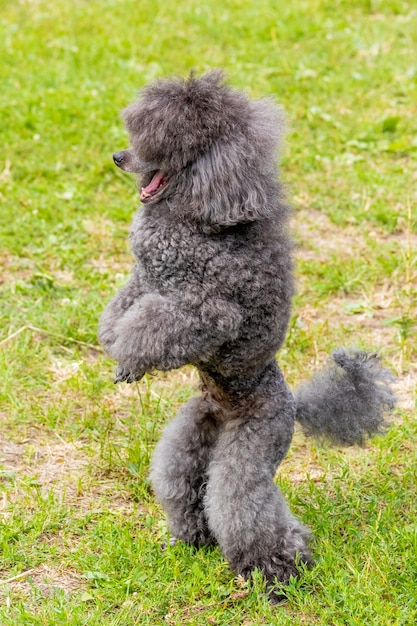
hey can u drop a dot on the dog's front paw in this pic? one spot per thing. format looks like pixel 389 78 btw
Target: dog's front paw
pixel 123 374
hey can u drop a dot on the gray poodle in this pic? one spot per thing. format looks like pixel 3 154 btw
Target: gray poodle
pixel 212 286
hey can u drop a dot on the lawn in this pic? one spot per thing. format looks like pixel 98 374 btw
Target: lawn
pixel 80 530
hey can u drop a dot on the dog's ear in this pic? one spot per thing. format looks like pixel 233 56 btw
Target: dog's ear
pixel 236 180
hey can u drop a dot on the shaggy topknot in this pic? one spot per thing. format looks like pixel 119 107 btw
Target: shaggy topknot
pixel 218 144
pixel 212 287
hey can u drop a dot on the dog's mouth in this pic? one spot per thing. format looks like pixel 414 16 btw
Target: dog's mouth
pixel 156 183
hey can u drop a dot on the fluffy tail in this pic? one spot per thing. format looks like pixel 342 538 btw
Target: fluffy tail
pixel 345 402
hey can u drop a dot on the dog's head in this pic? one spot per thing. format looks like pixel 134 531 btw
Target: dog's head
pixel 206 144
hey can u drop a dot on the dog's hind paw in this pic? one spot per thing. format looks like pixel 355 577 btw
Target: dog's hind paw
pixel 168 544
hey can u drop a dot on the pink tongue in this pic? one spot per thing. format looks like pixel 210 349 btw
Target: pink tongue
pixel 154 184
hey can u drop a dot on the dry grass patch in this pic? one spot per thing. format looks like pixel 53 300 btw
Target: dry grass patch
pixel 45 580
pixel 13 269
pixel 55 465
pixel 318 237
pixel 301 462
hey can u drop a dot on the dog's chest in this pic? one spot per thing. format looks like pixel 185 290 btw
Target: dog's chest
pixel 169 253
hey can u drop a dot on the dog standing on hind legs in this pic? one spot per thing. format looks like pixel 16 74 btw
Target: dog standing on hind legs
pixel 212 286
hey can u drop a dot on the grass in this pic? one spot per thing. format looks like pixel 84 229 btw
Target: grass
pixel 80 529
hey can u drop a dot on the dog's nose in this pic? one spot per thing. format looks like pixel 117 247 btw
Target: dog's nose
pixel 118 158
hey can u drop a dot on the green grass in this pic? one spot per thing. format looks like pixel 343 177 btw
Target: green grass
pixel 80 530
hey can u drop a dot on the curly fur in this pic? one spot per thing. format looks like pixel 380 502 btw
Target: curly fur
pixel 345 402
pixel 212 286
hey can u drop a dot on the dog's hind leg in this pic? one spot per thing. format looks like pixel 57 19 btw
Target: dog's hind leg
pixel 179 471
pixel 246 512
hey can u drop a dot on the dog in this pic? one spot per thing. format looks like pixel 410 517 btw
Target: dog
pixel 212 286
